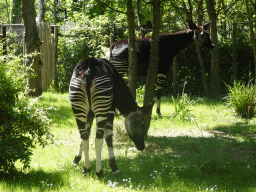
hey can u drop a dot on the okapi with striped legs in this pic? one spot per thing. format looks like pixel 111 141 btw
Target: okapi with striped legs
pixel 169 46
pixel 96 90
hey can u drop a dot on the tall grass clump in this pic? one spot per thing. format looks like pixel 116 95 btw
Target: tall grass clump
pixel 243 99
pixel 181 106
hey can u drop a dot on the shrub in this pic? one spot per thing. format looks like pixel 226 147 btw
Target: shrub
pixel 21 124
pixel 243 99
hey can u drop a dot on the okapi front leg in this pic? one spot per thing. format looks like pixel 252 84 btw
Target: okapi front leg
pixel 159 89
pixel 112 160
pixel 109 141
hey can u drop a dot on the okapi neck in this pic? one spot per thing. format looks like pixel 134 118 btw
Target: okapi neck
pixel 123 98
pixel 126 102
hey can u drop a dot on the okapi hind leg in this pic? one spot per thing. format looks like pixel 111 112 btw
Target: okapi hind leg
pixel 84 130
pixel 101 123
pixel 79 154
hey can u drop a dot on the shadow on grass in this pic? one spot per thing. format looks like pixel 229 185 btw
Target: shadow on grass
pixel 223 162
pixel 32 180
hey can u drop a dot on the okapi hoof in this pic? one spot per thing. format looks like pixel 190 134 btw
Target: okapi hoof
pixel 116 173
pixel 86 171
pixel 158 112
pixel 76 160
pixel 100 174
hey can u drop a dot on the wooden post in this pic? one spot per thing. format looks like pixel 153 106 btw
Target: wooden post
pixel 234 40
pixel 55 56
pixel 4 41
pixel 114 32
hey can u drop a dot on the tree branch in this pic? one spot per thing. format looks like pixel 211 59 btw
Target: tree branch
pixel 150 2
pixel 106 5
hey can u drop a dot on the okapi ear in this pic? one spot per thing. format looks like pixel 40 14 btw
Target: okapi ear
pixel 207 25
pixel 192 25
pixel 146 108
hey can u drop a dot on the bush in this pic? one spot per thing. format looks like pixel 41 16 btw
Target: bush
pixel 243 99
pixel 21 124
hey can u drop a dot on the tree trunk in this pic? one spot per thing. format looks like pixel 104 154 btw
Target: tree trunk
pixel 154 58
pixel 7 11
pixel 16 12
pixel 55 11
pixel 234 40
pixel 200 16
pixel 132 71
pixel 215 79
pixel 137 11
pixel 33 43
pixel 41 10
pixel 252 39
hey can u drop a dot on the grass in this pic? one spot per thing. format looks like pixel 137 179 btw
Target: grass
pixel 216 151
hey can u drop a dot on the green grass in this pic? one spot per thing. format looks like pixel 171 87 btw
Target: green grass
pixel 215 151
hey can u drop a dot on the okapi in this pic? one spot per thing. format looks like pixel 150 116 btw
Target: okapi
pixel 97 89
pixel 169 46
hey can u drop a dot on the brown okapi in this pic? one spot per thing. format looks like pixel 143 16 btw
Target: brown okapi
pixel 169 46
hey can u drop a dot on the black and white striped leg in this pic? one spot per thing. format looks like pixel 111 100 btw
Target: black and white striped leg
pixel 109 141
pixel 84 145
pixel 112 160
pixel 158 96
pixel 101 123
pixel 159 89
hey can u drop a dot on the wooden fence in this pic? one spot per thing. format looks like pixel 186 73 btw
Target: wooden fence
pixel 48 49
pixel 46 54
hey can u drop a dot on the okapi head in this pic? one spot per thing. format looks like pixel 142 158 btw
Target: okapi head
pixel 201 35
pixel 135 126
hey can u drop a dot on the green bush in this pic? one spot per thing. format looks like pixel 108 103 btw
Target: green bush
pixel 22 125
pixel 243 99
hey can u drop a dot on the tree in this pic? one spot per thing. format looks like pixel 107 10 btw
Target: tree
pixel 252 37
pixel 33 44
pixel 16 11
pixel 132 71
pixel 215 79
pixel 200 16
pixel 154 57
pixel 234 41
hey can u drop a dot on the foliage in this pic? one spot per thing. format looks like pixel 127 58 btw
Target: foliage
pixel 243 99
pixel 71 52
pixel 22 125
pixel 86 39
pixel 140 92
pixel 181 106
